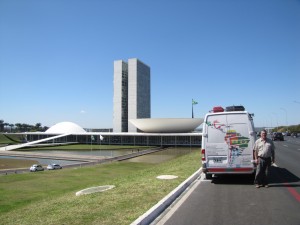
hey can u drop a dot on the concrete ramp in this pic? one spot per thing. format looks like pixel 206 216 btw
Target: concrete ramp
pixel 13 147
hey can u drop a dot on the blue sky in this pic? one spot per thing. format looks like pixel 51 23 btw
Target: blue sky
pixel 56 58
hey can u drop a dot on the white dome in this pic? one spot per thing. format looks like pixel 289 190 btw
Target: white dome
pixel 167 125
pixel 65 127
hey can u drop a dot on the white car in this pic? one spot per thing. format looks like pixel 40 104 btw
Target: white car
pixel 36 167
pixel 53 166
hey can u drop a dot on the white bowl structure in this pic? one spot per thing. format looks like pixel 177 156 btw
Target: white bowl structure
pixel 167 125
pixel 65 127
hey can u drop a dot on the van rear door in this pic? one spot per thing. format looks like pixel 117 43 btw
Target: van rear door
pixel 228 143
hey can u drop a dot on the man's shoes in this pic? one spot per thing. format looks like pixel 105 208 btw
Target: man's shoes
pixel 257 186
pixel 266 186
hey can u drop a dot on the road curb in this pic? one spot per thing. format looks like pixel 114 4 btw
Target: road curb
pixel 157 209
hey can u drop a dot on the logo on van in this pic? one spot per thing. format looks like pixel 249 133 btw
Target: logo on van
pixel 237 143
pixel 216 124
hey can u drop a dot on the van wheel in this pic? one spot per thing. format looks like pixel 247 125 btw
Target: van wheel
pixel 208 176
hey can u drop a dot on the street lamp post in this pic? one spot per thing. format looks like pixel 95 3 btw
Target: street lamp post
pixel 271 118
pixel 286 121
pixel 276 120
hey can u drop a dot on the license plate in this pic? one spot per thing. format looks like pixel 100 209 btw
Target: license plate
pixel 217 160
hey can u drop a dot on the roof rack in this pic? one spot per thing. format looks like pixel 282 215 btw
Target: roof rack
pixel 235 108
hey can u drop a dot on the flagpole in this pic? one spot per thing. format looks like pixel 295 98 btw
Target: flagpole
pixel 193 103
pixel 92 139
pixel 192 108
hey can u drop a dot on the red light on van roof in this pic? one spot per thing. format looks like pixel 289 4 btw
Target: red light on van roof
pixel 218 109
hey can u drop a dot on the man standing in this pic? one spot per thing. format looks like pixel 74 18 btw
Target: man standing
pixel 264 152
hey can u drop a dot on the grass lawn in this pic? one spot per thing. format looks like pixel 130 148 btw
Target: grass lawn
pixel 48 197
pixel 8 138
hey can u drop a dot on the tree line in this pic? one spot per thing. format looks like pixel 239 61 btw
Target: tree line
pixel 291 129
pixel 21 127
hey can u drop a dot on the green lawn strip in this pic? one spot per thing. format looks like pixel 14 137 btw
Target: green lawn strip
pixel 49 197
pixel 5 140
pixel 8 138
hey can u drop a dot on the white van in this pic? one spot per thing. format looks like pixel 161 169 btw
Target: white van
pixel 227 142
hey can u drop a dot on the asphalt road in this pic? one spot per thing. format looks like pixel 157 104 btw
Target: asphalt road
pixel 234 200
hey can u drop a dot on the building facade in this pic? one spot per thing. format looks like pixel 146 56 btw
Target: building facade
pixel 131 139
pixel 132 96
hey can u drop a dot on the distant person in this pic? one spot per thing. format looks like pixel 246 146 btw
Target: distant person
pixel 264 152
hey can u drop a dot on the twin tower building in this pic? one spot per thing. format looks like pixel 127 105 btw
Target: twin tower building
pixel 132 95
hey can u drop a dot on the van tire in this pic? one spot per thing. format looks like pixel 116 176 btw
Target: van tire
pixel 208 176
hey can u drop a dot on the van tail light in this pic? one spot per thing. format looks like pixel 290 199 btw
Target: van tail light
pixel 203 154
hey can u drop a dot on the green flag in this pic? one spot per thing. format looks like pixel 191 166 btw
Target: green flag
pixel 194 102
